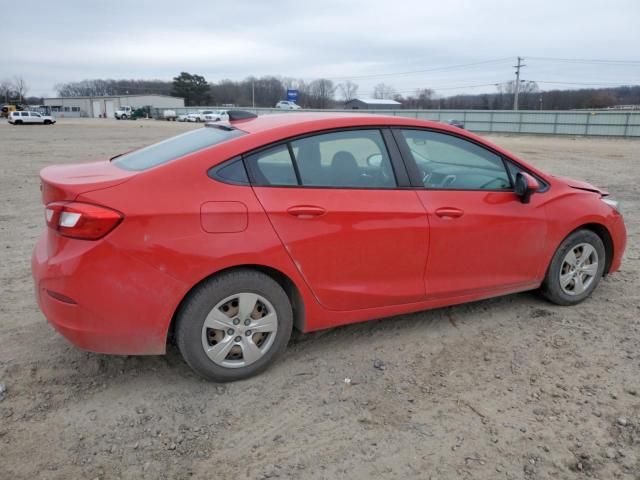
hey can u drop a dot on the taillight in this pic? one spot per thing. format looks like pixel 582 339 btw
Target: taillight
pixel 81 220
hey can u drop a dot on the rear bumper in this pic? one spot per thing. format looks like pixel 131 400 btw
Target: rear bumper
pixel 101 299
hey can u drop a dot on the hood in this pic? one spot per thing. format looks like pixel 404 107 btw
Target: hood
pixel 581 185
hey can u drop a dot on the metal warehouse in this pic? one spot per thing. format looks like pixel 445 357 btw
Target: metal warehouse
pixel 105 106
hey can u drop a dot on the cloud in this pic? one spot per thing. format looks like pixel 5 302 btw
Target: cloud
pixel 160 38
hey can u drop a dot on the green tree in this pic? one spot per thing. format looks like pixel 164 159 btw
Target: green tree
pixel 193 88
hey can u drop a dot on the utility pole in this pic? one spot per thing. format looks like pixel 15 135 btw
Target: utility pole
pixel 517 87
pixel 253 93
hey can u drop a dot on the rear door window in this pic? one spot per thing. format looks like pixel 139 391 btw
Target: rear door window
pixel 347 159
pixel 175 147
pixel 273 167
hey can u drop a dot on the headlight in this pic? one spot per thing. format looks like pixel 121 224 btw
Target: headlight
pixel 613 203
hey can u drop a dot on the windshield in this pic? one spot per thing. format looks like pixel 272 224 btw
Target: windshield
pixel 174 147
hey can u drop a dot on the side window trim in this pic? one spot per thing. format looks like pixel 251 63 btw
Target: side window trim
pixel 397 163
pixel 414 173
pixel 294 161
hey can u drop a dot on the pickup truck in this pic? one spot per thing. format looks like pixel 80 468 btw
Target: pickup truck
pixel 208 116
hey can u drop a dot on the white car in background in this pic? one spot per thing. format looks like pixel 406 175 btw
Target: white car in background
pixel 217 116
pixel 183 117
pixel 29 118
pixel 287 105
pixel 208 116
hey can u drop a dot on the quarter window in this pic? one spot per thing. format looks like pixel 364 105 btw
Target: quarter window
pixel 448 162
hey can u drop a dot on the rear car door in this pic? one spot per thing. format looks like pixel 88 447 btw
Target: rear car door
pixel 483 237
pixel 341 204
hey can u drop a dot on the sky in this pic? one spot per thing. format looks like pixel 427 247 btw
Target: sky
pixel 452 47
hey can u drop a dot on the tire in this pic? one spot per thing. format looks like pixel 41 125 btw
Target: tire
pixel 209 300
pixel 47 122
pixel 123 117
pixel 576 269
pixel 18 122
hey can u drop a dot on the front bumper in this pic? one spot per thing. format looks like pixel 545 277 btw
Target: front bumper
pixel 618 233
pixel 102 299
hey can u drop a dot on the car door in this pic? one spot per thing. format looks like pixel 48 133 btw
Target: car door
pixel 24 116
pixel 483 237
pixel 342 207
pixel 35 118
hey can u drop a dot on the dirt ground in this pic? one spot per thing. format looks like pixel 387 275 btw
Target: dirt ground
pixel 512 388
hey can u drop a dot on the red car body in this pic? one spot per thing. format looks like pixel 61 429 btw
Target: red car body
pixel 345 255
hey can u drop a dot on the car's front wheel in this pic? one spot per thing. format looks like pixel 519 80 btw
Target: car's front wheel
pixel 232 326
pixel 576 268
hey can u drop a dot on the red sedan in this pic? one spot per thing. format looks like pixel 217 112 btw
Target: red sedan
pixel 229 236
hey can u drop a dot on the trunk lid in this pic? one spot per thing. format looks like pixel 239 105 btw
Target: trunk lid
pixel 66 182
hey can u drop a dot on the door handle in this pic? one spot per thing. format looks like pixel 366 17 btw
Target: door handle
pixel 450 212
pixel 306 211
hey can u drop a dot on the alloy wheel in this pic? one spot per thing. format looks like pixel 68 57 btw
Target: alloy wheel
pixel 579 269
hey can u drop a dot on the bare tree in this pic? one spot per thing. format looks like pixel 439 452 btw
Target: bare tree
pixel 383 91
pixel 6 90
pixel 20 87
pixel 348 90
pixel 525 93
pixel 321 93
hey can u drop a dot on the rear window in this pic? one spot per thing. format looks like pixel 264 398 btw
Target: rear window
pixel 174 147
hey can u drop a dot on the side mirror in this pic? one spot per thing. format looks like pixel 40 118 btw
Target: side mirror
pixel 525 186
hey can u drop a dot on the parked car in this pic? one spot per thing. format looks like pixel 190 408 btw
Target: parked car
pixel 204 116
pixel 216 116
pixel 28 117
pixel 455 123
pixel 227 237
pixel 183 117
pixel 287 105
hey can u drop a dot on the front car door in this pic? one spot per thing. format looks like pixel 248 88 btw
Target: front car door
pixel 35 118
pixel 483 238
pixel 342 206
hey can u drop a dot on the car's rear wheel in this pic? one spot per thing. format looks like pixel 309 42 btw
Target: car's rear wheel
pixel 576 268
pixel 232 326
pixel 47 122
pixel 18 122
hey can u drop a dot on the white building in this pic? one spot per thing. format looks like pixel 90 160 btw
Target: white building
pixel 106 106
pixel 372 104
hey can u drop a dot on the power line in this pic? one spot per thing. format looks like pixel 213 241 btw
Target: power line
pixel 588 83
pixel 589 61
pixel 413 72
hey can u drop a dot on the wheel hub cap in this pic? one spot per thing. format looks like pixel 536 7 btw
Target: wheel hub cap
pixel 239 330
